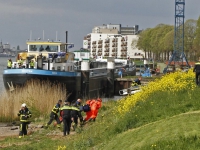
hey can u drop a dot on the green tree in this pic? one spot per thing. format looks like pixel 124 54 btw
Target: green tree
pixel 189 36
pixel 197 40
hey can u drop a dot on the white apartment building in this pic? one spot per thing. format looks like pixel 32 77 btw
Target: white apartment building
pixel 113 41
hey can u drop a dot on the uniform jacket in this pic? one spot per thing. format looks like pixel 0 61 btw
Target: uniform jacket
pixel 24 115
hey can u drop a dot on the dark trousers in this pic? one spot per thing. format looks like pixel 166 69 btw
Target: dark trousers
pixel 66 125
pixel 197 77
pixel 23 128
pixel 75 118
pixel 52 117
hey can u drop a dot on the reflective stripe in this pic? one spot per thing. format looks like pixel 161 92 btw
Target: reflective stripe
pixel 55 109
pixel 75 108
pixel 9 64
pixel 66 107
pixel 32 64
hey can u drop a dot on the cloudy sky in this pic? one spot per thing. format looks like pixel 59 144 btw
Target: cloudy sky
pixel 25 19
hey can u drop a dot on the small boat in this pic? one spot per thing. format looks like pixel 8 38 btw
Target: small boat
pixel 54 63
pixel 129 91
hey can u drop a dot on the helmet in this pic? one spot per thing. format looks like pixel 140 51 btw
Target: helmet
pixel 23 105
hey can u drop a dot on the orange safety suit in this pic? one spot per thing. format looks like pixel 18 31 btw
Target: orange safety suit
pixel 95 107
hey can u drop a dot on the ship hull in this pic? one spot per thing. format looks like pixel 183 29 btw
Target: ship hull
pixel 97 86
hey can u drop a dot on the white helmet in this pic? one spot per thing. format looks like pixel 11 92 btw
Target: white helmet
pixel 23 105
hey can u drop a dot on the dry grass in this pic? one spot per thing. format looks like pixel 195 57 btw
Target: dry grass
pixel 39 96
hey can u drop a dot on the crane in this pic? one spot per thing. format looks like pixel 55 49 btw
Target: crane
pixel 178 55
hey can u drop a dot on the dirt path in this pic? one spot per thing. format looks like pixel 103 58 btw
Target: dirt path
pixel 13 131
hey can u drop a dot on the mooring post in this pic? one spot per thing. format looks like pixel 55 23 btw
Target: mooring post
pixel 85 79
pixel 110 77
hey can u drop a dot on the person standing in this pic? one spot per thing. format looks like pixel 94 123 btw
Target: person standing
pixel 31 64
pixel 54 114
pixel 20 62
pixel 24 115
pixel 76 113
pixel 65 112
pixel 9 65
pixel 197 71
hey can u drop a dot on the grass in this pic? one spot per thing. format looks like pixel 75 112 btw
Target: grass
pixel 163 121
pixel 40 97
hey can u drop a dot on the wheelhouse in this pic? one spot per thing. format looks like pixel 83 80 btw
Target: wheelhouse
pixel 46 46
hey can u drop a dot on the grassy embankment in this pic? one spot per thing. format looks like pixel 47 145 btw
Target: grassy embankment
pixel 165 115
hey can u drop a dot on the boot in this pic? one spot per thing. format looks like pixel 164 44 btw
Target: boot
pixel 73 126
pixel 46 126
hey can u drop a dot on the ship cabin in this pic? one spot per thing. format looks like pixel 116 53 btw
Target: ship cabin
pixel 45 47
pixel 47 55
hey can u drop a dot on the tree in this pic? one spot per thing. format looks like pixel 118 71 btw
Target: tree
pixel 189 36
pixel 197 40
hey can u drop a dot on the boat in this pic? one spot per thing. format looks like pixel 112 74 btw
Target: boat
pixel 129 91
pixel 52 62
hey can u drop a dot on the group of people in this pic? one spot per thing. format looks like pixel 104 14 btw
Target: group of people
pixel 70 114
pixel 20 62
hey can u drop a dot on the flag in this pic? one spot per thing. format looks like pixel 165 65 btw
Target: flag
pixel 70 46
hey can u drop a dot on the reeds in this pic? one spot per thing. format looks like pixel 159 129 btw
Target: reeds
pixel 39 96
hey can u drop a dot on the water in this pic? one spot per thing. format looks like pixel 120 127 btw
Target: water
pixel 3 65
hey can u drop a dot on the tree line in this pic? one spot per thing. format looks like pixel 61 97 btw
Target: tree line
pixel 158 42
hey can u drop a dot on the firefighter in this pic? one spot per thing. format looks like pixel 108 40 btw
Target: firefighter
pixel 24 115
pixel 54 114
pixel 9 65
pixel 137 81
pixel 31 64
pixel 20 62
pixel 65 112
pixel 197 71
pixel 76 113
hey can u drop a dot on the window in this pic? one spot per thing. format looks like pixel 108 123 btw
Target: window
pixel 43 48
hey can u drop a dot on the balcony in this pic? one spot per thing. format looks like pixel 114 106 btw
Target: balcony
pixel 100 42
pixel 99 50
pixel 107 45
pixel 114 45
pixel 106 54
pixel 107 41
pixel 106 50
pixel 99 54
pixel 123 39
pixel 99 46
pixel 94 42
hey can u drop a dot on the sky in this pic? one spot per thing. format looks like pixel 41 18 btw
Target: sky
pixel 50 19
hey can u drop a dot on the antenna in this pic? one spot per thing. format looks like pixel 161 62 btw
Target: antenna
pixel 56 35
pixel 43 35
pixel 30 34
